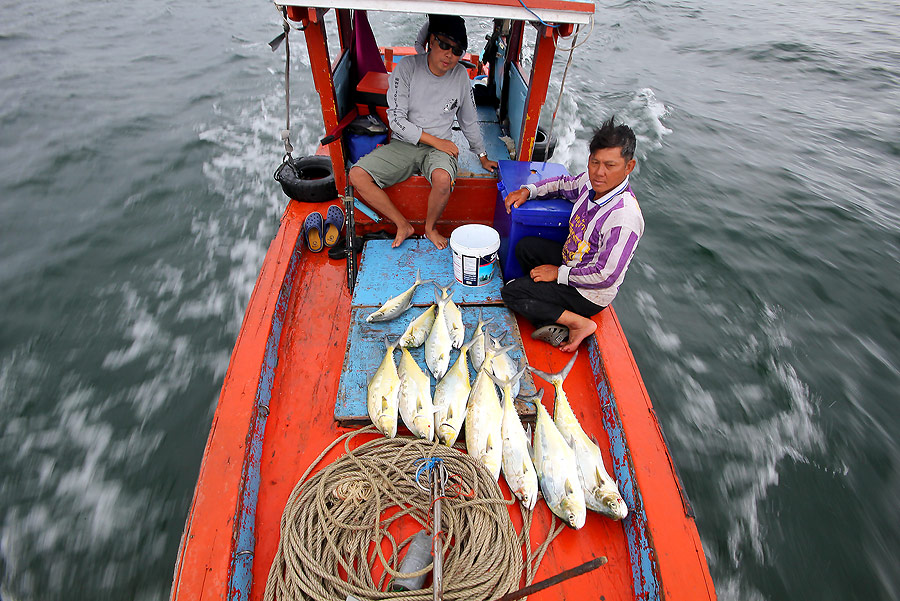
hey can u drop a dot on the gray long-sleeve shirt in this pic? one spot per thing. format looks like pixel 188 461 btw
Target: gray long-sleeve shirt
pixel 419 100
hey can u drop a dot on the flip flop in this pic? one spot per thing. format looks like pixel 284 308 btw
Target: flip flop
pixel 312 231
pixel 553 334
pixel 334 223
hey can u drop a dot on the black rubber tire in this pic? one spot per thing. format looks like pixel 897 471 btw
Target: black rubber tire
pixel 543 147
pixel 315 182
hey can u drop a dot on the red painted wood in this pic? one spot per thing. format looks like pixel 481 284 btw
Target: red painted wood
pixel 317 47
pixel 537 91
pixel 201 570
pixel 683 570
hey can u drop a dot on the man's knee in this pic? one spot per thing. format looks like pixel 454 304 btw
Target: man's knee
pixel 441 181
pixel 360 177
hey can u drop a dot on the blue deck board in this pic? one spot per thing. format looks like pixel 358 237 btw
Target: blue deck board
pixel 387 272
pixel 366 348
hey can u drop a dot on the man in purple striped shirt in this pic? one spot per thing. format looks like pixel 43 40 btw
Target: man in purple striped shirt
pixel 568 283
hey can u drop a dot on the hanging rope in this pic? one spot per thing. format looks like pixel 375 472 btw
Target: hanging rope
pixel 274 44
pixel 336 523
pixel 562 83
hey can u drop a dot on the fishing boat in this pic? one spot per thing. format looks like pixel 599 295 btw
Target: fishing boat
pixel 297 377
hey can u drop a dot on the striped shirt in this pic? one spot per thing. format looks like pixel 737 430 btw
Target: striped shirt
pixel 603 234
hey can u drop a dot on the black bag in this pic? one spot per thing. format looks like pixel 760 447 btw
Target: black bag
pixel 307 179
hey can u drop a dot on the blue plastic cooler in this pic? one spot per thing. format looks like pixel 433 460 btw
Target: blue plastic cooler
pixel 548 218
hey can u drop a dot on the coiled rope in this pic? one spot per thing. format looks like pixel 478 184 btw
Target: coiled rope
pixel 332 519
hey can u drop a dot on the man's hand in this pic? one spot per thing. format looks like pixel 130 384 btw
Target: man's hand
pixel 487 164
pixel 446 146
pixel 515 199
pixel 544 273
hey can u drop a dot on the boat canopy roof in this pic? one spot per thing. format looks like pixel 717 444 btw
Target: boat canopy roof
pixel 550 11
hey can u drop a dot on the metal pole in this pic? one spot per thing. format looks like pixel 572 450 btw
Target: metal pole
pixel 437 473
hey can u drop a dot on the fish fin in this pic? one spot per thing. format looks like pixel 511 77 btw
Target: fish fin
pixel 565 371
pixel 569 488
pixel 594 440
pixel 489 443
pixel 541 374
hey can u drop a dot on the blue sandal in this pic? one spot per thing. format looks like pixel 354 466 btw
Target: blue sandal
pixel 334 223
pixel 312 231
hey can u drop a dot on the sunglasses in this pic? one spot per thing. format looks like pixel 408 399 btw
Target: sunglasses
pixel 446 46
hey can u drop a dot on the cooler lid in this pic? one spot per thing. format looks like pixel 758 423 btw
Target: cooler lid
pixel 515 174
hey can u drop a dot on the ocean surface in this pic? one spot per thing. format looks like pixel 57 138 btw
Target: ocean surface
pixel 137 145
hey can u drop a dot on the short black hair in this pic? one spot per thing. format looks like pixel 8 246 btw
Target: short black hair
pixel 610 135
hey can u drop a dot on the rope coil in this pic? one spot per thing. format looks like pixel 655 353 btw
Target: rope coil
pixel 337 524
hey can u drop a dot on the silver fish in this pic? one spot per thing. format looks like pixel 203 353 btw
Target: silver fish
pixel 476 353
pixel 454 318
pixel 600 491
pixel 438 345
pixel 484 416
pixel 557 471
pixel 397 305
pixel 450 397
pixel 383 394
pixel 417 330
pixel 416 407
pixel 518 469
pixel 503 366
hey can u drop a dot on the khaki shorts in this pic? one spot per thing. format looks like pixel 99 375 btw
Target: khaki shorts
pixel 396 161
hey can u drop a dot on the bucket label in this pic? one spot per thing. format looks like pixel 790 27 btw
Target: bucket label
pixel 474 271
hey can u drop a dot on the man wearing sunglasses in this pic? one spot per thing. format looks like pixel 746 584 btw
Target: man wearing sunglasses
pixel 426 94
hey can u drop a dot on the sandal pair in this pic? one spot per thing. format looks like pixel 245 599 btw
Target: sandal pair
pixel 319 233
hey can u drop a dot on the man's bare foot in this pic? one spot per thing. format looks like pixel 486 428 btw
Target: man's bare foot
pixel 436 239
pixel 577 334
pixel 403 232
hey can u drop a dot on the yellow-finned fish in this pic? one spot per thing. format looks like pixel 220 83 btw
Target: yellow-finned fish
pixel 438 345
pixel 416 408
pixel 503 366
pixel 417 330
pixel 476 352
pixel 397 305
pixel 518 469
pixel 484 415
pixel 557 471
pixel 600 491
pixel 384 393
pixel 450 397
pixel 454 318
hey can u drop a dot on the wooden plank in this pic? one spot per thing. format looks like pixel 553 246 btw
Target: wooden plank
pixel 366 348
pixel 386 272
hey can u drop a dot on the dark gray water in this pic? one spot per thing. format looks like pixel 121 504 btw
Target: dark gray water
pixel 136 204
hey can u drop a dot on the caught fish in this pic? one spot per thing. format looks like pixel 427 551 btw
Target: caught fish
pixel 518 469
pixel 484 416
pixel 383 394
pixel 454 318
pixel 557 471
pixel 417 330
pixel 438 345
pixel 503 366
pixel 477 351
pixel 450 396
pixel 397 305
pixel 600 491
pixel 416 407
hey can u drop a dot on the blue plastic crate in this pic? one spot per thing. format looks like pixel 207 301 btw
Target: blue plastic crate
pixel 548 218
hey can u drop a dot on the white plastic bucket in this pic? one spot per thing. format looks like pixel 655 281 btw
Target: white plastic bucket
pixel 475 249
